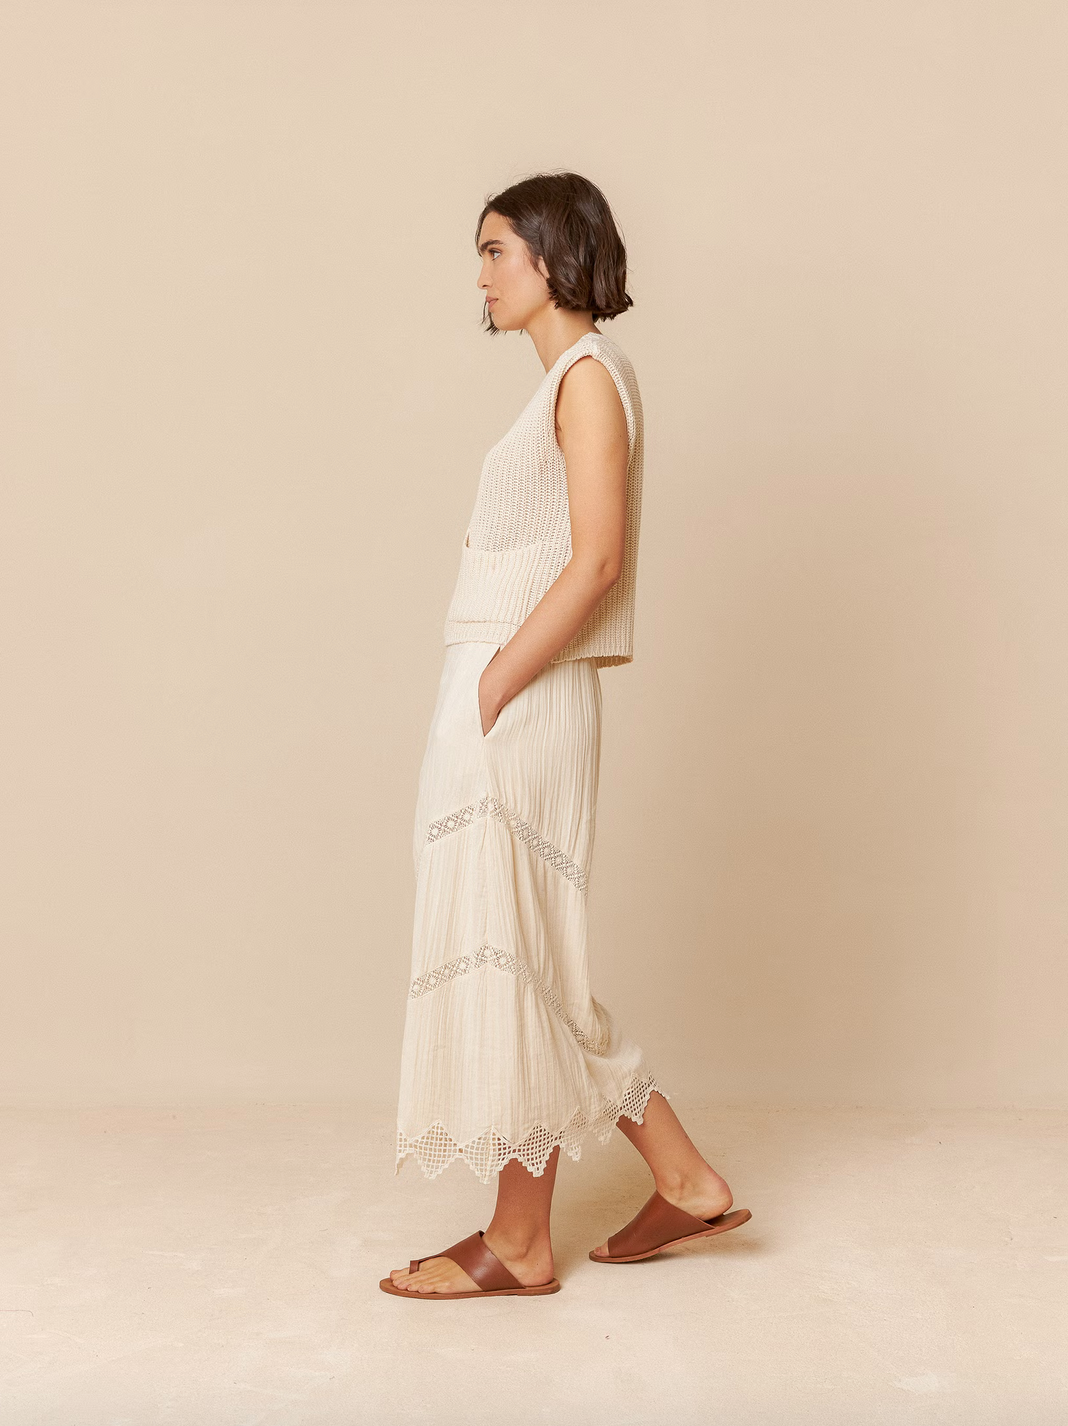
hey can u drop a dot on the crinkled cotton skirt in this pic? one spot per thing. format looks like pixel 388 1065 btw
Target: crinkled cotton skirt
pixel 506 1054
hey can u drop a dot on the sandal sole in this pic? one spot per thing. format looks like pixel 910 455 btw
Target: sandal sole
pixel 387 1286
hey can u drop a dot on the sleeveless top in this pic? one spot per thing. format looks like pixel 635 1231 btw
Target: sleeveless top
pixel 519 536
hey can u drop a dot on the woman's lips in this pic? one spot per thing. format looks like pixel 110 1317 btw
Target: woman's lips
pixel 490 301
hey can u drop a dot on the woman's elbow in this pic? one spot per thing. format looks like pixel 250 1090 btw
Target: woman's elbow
pixel 601 568
pixel 609 568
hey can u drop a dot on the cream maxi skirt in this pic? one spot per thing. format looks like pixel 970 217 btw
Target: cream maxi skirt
pixel 506 1054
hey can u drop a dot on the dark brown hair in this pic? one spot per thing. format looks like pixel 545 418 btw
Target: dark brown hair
pixel 565 219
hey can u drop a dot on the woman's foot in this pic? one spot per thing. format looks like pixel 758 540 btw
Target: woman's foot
pixel 704 1198
pixel 531 1262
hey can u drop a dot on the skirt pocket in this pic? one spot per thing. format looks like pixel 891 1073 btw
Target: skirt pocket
pixel 480 668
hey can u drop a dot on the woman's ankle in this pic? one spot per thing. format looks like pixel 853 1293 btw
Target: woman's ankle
pixel 520 1240
pixel 694 1183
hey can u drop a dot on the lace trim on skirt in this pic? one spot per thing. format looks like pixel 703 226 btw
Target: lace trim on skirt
pixel 506 961
pixel 487 1154
pixel 519 828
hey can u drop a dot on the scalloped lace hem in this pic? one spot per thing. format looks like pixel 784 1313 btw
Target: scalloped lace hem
pixel 488 1152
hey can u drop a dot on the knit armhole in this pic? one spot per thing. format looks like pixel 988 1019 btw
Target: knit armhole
pixel 621 389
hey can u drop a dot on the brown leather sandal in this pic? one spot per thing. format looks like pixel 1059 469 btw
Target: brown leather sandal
pixel 480 1264
pixel 659 1224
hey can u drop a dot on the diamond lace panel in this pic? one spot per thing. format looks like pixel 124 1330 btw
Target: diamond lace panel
pixel 507 961
pixel 488 1152
pixel 494 807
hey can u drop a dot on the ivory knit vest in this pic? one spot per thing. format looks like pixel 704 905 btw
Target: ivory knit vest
pixel 519 537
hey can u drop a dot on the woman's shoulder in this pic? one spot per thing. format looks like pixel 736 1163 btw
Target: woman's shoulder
pixel 605 349
pixel 614 361
pixel 603 340
pixel 615 357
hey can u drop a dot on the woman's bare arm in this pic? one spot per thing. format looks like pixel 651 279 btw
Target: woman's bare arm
pixel 591 428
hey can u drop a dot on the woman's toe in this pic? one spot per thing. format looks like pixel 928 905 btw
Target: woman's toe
pixel 602 1251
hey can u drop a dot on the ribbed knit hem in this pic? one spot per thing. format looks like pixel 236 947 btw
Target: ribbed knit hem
pixel 497 631
pixel 500 631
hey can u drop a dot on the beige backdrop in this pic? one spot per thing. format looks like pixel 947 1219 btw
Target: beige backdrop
pixel 246 399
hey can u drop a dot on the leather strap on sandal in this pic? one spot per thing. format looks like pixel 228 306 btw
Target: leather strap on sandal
pixel 655 1223
pixel 478 1261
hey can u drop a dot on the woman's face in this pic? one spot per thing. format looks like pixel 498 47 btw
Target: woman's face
pixel 515 290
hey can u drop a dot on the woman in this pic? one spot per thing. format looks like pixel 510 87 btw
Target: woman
pixel 507 1057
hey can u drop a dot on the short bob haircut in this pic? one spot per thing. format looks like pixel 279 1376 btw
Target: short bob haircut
pixel 565 219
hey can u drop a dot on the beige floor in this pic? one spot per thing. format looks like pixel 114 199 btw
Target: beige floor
pixel 220 1268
